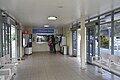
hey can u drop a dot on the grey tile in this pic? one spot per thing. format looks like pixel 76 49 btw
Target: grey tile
pixel 46 66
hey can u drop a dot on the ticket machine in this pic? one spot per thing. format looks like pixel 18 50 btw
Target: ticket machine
pixel 27 42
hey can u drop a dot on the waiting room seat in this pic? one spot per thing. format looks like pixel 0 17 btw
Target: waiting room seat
pixel 108 62
pixel 15 61
pixel 9 69
pixel 115 64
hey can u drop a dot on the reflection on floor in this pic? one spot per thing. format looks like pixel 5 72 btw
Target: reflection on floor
pixel 46 66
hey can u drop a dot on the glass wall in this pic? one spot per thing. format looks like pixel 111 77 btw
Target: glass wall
pixel 105 38
pixel 107 34
pixel 117 33
pixel 8 36
pixel 105 31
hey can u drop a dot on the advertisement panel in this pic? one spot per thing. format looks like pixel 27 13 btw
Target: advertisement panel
pixel 104 38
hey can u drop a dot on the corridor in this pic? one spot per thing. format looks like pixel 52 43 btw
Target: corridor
pixel 46 66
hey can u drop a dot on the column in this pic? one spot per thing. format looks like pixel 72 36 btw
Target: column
pixel 21 49
pixel 1 35
pixel 83 42
pixel 70 47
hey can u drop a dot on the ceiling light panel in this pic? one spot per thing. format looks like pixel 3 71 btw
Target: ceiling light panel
pixel 46 25
pixel 52 18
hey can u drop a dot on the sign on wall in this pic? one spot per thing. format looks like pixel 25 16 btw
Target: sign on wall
pixel 43 31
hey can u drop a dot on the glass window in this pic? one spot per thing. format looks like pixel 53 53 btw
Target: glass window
pixel 117 32
pixel 117 38
pixel 94 19
pixel 117 15
pixel 105 38
pixel 86 22
pixel 105 18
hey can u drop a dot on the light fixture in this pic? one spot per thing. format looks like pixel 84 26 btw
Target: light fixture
pixel 52 18
pixel 60 6
pixel 46 25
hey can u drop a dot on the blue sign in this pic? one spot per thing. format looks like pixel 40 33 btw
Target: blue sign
pixel 43 31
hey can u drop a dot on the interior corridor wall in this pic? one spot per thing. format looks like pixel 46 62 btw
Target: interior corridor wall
pixel 68 34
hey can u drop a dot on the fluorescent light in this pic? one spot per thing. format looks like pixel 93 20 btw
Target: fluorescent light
pixel 46 25
pixel 52 18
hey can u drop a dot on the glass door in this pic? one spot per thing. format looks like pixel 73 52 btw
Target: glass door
pixel 13 41
pixel 74 36
pixel 6 39
pixel 90 42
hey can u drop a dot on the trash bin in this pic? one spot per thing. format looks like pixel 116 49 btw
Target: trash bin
pixel 65 50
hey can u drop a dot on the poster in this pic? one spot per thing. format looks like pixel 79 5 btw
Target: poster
pixel 104 39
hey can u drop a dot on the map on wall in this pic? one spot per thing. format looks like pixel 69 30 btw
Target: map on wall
pixel 104 39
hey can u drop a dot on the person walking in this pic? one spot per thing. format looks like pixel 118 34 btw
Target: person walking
pixel 53 43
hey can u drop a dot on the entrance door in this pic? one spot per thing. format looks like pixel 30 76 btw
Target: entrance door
pixel 13 41
pixel 90 42
pixel 74 36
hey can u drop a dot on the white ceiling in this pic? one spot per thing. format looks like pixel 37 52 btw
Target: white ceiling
pixel 35 12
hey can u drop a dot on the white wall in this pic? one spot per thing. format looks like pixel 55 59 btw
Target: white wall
pixel 68 34
pixel 37 47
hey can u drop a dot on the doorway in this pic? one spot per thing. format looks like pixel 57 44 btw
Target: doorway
pixel 13 40
pixel 74 42
pixel 92 41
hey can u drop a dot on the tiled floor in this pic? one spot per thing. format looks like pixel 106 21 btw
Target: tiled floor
pixel 46 66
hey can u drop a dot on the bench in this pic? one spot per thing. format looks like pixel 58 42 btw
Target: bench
pixel 107 62
pixel 15 61
pixel 5 73
pixel 8 67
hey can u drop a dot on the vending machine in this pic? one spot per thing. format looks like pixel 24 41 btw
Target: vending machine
pixel 27 42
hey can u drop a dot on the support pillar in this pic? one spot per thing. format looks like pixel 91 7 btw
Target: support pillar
pixel 83 42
